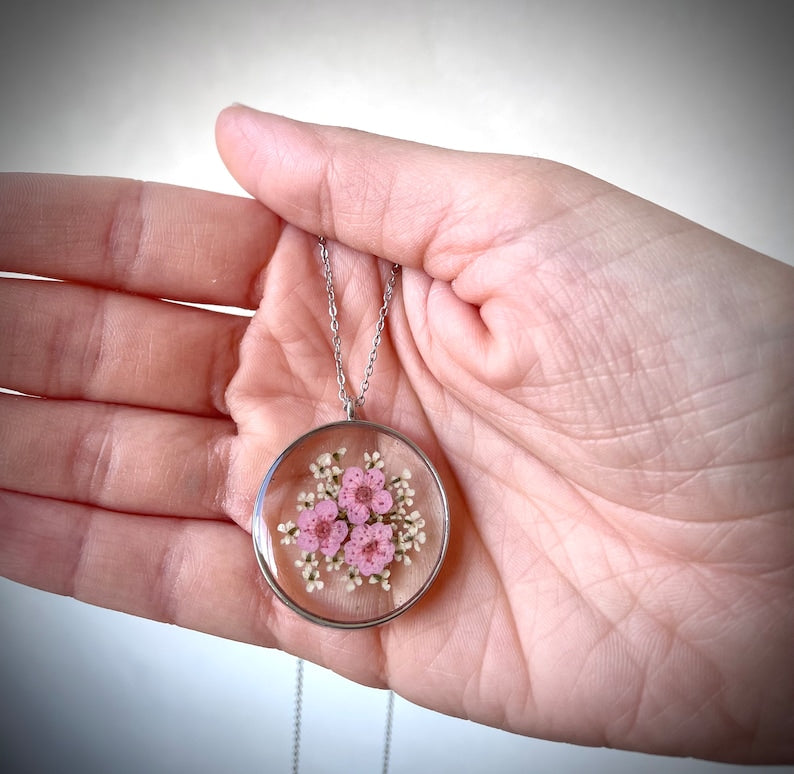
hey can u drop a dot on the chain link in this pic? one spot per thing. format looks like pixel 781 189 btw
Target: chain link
pixel 348 401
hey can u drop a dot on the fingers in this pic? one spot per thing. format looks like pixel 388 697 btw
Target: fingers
pixel 116 457
pixel 409 203
pixel 196 574
pixel 68 341
pixel 146 238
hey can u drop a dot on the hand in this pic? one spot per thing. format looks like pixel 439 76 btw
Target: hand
pixel 605 387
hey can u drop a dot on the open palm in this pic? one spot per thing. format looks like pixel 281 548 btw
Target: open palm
pixel 605 388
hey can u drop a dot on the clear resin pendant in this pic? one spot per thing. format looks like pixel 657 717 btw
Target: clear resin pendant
pixel 351 524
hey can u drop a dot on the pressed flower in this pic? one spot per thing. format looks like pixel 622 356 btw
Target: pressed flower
pixel 370 548
pixel 336 561
pixel 373 460
pixel 305 500
pixel 363 493
pixel 320 529
pixel 357 518
pixel 382 578
pixel 313 583
pixel 290 532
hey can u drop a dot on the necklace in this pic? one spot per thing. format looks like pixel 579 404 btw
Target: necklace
pixel 351 522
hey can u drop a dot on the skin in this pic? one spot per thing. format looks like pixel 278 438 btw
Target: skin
pixel 605 387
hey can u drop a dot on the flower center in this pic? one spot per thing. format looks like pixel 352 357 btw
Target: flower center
pixel 323 530
pixel 370 550
pixel 364 494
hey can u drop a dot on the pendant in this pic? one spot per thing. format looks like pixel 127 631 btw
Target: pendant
pixel 351 524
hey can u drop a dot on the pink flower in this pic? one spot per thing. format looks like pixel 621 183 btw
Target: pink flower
pixel 319 528
pixel 370 548
pixel 363 492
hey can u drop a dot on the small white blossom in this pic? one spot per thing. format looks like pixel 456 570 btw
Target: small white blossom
pixel 353 579
pixel 373 460
pixel 322 468
pixel 382 578
pixel 290 531
pixel 305 500
pixel 306 562
pixel 336 561
pixel 309 572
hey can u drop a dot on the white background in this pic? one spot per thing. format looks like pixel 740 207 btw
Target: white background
pixel 689 105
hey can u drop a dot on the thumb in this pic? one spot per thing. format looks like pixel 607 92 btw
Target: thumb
pixel 412 204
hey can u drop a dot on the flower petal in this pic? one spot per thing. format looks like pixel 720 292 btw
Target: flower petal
pixel 357 513
pixel 307 519
pixel 352 477
pixel 375 479
pixel 381 502
pixel 326 510
pixel 338 532
pixel 307 541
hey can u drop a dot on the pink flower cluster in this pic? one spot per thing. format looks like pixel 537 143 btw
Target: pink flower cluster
pixel 370 547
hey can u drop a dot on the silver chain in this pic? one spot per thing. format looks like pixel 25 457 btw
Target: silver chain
pixel 348 401
pixel 298 716
pixel 296 724
pixel 387 733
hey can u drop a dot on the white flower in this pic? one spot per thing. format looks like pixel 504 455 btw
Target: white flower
pixel 353 579
pixel 406 474
pixel 402 556
pixel 382 578
pixel 336 561
pixel 306 562
pixel 402 548
pixel 308 565
pixel 290 531
pixel 322 468
pixel 414 520
pixel 373 460
pixel 305 500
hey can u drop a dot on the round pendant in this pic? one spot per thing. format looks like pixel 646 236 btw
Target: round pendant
pixel 351 524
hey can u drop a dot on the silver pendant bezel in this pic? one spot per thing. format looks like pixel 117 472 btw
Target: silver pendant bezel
pixel 260 533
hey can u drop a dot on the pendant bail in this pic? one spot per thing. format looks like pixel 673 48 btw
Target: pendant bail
pixel 350 408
